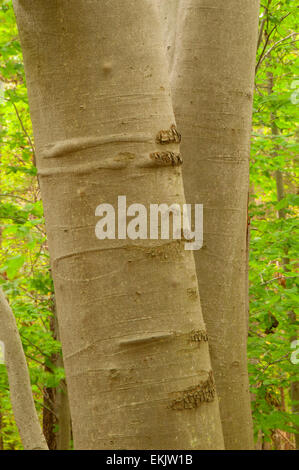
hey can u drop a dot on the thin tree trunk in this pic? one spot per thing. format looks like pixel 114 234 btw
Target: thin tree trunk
pixel 56 413
pixel 49 398
pixel 129 312
pixel 49 416
pixel 212 88
pixel 62 410
pixel 61 404
pixel 19 382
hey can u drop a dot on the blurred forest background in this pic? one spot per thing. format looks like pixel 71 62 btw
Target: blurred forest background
pixel 25 274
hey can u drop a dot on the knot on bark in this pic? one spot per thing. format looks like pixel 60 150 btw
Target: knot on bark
pixel 167 158
pixel 192 398
pixel 169 136
pixel 199 335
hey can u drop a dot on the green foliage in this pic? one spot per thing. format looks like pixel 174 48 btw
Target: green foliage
pixel 24 260
pixel 274 241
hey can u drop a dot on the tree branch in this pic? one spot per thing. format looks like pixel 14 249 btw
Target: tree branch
pixel 273 47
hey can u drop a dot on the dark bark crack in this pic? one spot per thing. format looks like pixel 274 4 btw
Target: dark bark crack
pixel 193 397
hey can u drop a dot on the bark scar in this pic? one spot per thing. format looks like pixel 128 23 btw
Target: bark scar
pixel 169 136
pixel 199 335
pixel 167 158
pixel 192 398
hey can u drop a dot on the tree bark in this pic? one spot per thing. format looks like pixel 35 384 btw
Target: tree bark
pixel 169 11
pixel 49 397
pixel 49 416
pixel 61 406
pixel 128 311
pixel 62 410
pixel 19 381
pixel 212 87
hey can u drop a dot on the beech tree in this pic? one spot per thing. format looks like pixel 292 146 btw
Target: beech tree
pixel 134 341
pixel 211 48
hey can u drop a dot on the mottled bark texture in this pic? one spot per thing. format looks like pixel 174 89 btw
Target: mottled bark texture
pixel 169 11
pixel 99 95
pixel 19 381
pixel 212 76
